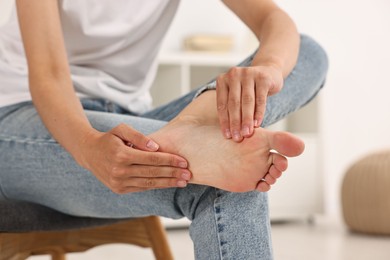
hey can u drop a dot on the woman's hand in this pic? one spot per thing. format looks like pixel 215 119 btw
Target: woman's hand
pixel 241 98
pixel 127 161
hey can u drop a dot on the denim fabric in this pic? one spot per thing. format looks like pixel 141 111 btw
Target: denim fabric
pixel 225 225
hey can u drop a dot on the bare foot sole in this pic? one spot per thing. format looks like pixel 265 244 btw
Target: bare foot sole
pixel 221 163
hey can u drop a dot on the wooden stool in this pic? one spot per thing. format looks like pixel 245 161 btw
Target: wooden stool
pixel 28 229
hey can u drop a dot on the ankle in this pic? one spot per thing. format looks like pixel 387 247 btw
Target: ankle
pixel 202 110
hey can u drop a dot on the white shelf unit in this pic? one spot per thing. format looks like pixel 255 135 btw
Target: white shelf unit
pixel 180 72
pixel 298 194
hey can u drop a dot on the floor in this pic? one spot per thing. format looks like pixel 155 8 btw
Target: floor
pixel 324 240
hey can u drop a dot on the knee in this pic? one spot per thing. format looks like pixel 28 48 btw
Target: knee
pixel 314 57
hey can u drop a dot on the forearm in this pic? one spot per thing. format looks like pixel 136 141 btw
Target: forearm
pixel 49 74
pixel 61 111
pixel 279 42
pixel 278 36
pixel 242 92
pixel 105 154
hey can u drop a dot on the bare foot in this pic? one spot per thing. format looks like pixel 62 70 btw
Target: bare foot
pixel 221 163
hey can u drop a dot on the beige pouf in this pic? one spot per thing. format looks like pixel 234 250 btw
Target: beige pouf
pixel 366 194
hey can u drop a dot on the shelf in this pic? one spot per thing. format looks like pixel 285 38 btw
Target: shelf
pixel 183 71
pixel 207 59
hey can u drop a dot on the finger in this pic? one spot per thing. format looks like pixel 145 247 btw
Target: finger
pixel 126 190
pixel 157 159
pixel 247 107
pixel 154 183
pixel 261 93
pixel 142 171
pixel 279 162
pixel 222 101
pixel 132 136
pixel 263 186
pixel 234 105
pixel 269 179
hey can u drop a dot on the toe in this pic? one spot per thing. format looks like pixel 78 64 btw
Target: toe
pixel 279 162
pixel 274 172
pixel 263 186
pixel 269 179
pixel 286 143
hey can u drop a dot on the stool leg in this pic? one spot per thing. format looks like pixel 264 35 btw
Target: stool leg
pixel 58 256
pixel 56 253
pixel 158 238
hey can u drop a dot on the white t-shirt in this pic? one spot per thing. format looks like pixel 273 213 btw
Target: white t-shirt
pixel 111 46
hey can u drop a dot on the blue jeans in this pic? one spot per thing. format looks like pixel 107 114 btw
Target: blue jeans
pixel 225 225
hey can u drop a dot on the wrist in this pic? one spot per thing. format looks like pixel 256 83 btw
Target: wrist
pixel 273 62
pixel 272 74
pixel 83 145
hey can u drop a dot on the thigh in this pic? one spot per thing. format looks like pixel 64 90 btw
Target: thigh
pixel 35 168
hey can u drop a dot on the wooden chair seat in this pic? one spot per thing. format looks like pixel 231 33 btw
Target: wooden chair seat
pixel 28 229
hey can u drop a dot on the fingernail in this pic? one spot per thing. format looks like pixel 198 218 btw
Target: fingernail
pixel 152 145
pixel 236 135
pixel 182 164
pixel 186 176
pixel 255 122
pixel 182 184
pixel 245 131
pixel 228 135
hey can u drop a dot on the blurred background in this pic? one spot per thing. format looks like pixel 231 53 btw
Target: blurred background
pixel 354 107
pixel 349 119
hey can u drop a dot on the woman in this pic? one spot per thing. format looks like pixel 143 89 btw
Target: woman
pixel 77 133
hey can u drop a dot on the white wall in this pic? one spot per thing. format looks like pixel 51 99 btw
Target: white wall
pixel 205 17
pixel 355 109
pixel 355 105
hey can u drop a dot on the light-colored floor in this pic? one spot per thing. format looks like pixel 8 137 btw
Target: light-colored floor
pixel 324 240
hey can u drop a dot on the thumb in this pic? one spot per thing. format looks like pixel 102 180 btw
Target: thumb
pixel 131 136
